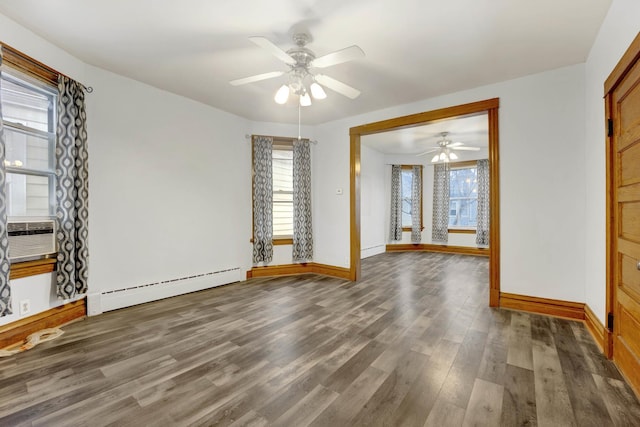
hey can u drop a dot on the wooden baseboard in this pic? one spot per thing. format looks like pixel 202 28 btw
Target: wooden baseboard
pixel 550 307
pixel 17 331
pixel 598 331
pixel 289 269
pixel 449 249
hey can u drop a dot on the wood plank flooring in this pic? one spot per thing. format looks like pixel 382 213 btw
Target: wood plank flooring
pixel 412 344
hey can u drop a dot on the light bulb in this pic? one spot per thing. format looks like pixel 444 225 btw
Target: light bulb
pixel 443 156
pixel 305 100
pixel 453 156
pixel 282 94
pixel 435 158
pixel 317 91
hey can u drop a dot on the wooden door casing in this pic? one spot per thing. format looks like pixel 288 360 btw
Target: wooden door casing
pixel 624 108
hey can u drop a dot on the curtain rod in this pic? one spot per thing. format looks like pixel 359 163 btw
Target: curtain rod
pixel 313 141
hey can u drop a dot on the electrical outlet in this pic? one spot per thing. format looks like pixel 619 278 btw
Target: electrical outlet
pixel 25 307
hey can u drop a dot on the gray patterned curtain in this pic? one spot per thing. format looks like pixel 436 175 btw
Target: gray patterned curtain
pixel 262 199
pixel 416 208
pixel 395 229
pixel 302 231
pixel 5 290
pixel 72 190
pixel 440 230
pixel 482 231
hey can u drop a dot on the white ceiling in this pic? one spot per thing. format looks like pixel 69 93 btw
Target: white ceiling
pixel 472 131
pixel 415 49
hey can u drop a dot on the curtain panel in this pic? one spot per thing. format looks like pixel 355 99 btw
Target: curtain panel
pixel 395 226
pixel 72 190
pixel 302 229
pixel 482 231
pixel 5 290
pixel 440 223
pixel 416 206
pixel 262 199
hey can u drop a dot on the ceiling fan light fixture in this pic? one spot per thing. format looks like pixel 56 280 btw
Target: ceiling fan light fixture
pixel 317 91
pixel 453 156
pixel 282 94
pixel 305 99
pixel 435 158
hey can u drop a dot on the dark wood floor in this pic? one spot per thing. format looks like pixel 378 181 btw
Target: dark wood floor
pixel 413 343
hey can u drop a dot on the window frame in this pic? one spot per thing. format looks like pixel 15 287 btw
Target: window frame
pixel 410 167
pixel 278 141
pixel 468 164
pixel 24 64
pixel 27 81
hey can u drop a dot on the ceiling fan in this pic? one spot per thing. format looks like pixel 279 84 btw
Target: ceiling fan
pixel 301 80
pixel 444 149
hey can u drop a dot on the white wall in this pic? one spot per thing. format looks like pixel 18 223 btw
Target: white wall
pixel 374 207
pixel 539 114
pixel 169 179
pixel 616 34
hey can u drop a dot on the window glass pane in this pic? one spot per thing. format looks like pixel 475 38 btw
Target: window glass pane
pixel 463 192
pixel 27 150
pixel 26 106
pixel 407 180
pixel 282 193
pixel 28 195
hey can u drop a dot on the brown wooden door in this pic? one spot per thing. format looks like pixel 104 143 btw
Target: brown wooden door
pixel 625 262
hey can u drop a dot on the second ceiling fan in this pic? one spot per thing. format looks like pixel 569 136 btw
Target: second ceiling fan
pixel 444 149
pixel 301 80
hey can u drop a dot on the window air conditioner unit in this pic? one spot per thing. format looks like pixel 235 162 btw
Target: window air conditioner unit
pixel 31 239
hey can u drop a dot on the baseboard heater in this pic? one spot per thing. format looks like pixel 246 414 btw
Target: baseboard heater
pixel 132 295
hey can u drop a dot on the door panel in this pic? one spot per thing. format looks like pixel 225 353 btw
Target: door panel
pixel 625 108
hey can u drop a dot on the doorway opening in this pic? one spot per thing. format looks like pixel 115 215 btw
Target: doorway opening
pixel 487 107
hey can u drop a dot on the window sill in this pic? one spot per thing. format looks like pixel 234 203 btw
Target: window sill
pixel 283 241
pixel 462 230
pixel 32 268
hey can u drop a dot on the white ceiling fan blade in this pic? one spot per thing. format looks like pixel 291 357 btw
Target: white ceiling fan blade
pixel 427 152
pixel 275 50
pixel 338 57
pixel 466 148
pixel 455 144
pixel 256 78
pixel 337 86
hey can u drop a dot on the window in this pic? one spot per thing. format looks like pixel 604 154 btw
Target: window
pixel 282 190
pixel 28 109
pixel 463 196
pixel 406 181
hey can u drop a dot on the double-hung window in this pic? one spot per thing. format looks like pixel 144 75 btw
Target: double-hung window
pixel 282 163
pixel 28 118
pixel 463 196
pixel 406 183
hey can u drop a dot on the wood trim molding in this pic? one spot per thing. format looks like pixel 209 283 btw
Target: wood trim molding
pixel 596 328
pixel 425 117
pixel 631 55
pixel 550 307
pixel 461 231
pixel 283 241
pixel 293 269
pixel 32 268
pixel 449 249
pixel 27 65
pixel 490 107
pixel 15 332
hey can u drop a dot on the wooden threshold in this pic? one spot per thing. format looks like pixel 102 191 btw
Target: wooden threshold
pixel 290 269
pixel 17 331
pixel 449 249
